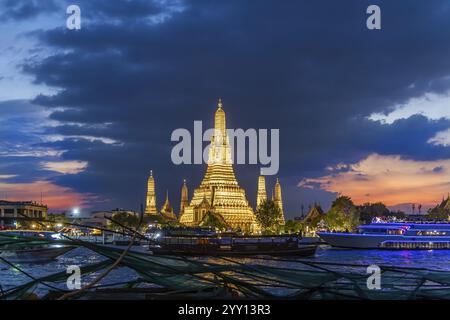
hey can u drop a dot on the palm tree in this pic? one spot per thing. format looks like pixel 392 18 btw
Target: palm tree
pixel 413 208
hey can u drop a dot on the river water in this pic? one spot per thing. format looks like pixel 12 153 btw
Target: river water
pixel 430 259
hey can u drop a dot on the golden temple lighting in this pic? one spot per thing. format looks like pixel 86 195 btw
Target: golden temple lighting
pixel 150 208
pixel 219 191
pixel 278 200
pixel 167 209
pixel 261 196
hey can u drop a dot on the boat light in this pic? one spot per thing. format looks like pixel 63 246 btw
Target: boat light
pixel 56 236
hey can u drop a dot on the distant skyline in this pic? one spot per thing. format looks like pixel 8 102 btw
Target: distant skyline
pixel 86 114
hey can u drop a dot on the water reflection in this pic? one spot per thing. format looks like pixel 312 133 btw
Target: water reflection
pixel 430 259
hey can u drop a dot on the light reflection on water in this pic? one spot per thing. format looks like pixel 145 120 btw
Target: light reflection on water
pixel 11 277
pixel 430 259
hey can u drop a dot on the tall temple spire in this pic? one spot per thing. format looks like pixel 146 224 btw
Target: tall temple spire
pixel 184 198
pixel 219 187
pixel 150 207
pixel 277 198
pixel 219 157
pixel 261 195
pixel 219 141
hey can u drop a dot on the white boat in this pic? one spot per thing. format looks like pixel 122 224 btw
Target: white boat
pixel 398 236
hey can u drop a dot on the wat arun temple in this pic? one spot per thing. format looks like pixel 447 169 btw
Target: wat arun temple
pixel 219 193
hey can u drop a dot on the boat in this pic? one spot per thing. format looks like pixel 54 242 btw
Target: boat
pixel 393 236
pixel 30 251
pixel 35 254
pixel 40 234
pixel 222 245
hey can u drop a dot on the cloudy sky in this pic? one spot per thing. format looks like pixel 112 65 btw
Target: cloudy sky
pixel 85 114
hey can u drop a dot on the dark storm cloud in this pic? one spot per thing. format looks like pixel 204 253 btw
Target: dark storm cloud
pixel 21 127
pixel 120 9
pixel 123 10
pixel 310 68
pixel 356 138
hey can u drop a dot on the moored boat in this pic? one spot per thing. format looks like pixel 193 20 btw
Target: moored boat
pixel 30 251
pixel 35 255
pixel 232 246
pixel 394 236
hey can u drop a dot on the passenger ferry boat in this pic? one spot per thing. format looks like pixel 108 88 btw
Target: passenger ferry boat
pixel 396 235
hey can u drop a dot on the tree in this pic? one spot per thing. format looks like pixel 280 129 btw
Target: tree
pixel 292 226
pixel 398 214
pixel 124 219
pixel 268 216
pixel 343 215
pixel 368 211
pixel 215 221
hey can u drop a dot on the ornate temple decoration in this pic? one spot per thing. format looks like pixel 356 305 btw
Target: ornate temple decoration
pixel 278 200
pixel 219 191
pixel 184 197
pixel 150 207
pixel 167 209
pixel 261 196
pixel 314 215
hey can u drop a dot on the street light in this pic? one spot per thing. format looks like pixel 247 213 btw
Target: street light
pixel 75 211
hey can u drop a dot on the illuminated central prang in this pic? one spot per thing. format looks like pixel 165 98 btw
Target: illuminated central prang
pixel 219 192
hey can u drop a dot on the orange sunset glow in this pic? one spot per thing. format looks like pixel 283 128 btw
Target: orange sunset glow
pixel 389 179
pixel 54 196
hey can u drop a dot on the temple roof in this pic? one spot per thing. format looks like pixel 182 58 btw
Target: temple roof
pixel 167 206
pixel 315 213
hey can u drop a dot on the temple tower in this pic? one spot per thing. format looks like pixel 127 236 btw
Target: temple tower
pixel 261 195
pixel 219 191
pixel 278 200
pixel 150 207
pixel 184 198
pixel 167 209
